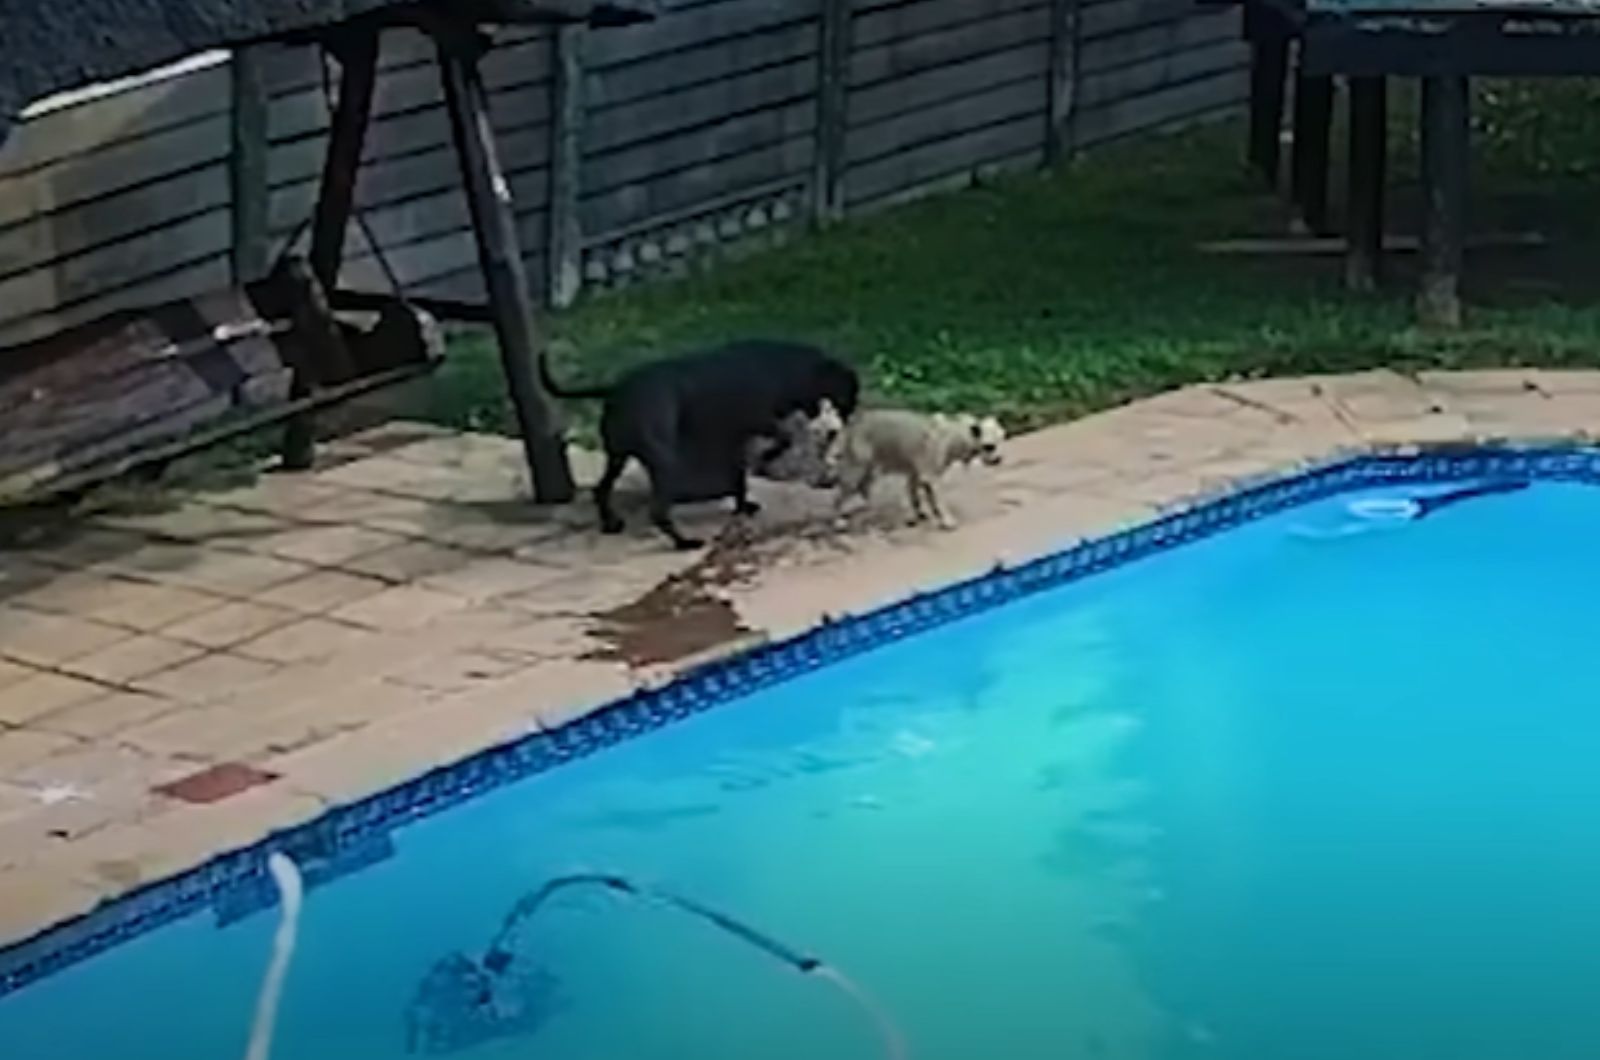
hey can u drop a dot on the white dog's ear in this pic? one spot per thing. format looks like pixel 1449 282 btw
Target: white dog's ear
pixel 828 419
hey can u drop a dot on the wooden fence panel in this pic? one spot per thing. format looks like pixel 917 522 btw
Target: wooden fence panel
pixel 712 105
pixel 671 138
pixel 941 91
pixel 114 198
pixel 1156 64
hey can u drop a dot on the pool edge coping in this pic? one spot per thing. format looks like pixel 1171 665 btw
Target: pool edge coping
pixel 346 837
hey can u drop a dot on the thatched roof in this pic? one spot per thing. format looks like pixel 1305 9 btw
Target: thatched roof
pixel 50 46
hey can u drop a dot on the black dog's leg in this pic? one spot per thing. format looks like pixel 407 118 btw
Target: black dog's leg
pixel 664 490
pixel 610 522
pixel 740 485
pixel 661 516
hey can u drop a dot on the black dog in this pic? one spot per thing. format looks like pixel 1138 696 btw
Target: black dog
pixel 690 420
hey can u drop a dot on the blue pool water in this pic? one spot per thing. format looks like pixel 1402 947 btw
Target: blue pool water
pixel 1288 792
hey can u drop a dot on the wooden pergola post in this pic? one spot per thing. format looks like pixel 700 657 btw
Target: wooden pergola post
pixel 1446 155
pixel 494 224
pixel 460 47
pixel 356 49
pixel 1313 125
pixel 1369 130
pixel 1269 69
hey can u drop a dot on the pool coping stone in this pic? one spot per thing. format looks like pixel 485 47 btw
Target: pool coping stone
pixel 1290 443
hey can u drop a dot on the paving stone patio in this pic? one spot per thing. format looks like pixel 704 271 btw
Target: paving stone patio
pixel 180 682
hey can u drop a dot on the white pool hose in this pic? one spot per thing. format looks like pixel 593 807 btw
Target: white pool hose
pixel 286 875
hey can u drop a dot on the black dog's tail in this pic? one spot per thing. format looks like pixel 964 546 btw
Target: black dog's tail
pixel 576 393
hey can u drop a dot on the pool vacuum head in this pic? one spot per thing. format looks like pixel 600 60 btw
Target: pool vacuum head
pixel 461 1004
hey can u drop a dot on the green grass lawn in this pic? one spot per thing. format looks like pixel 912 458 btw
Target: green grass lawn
pixel 1049 295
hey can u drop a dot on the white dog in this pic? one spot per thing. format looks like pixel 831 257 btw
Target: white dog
pixel 918 447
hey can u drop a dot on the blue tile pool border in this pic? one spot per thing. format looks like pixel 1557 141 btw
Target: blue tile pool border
pixel 347 838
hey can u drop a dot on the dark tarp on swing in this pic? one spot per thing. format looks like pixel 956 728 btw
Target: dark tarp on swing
pixel 50 46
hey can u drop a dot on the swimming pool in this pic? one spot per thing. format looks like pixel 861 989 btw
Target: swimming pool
pixel 1317 786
